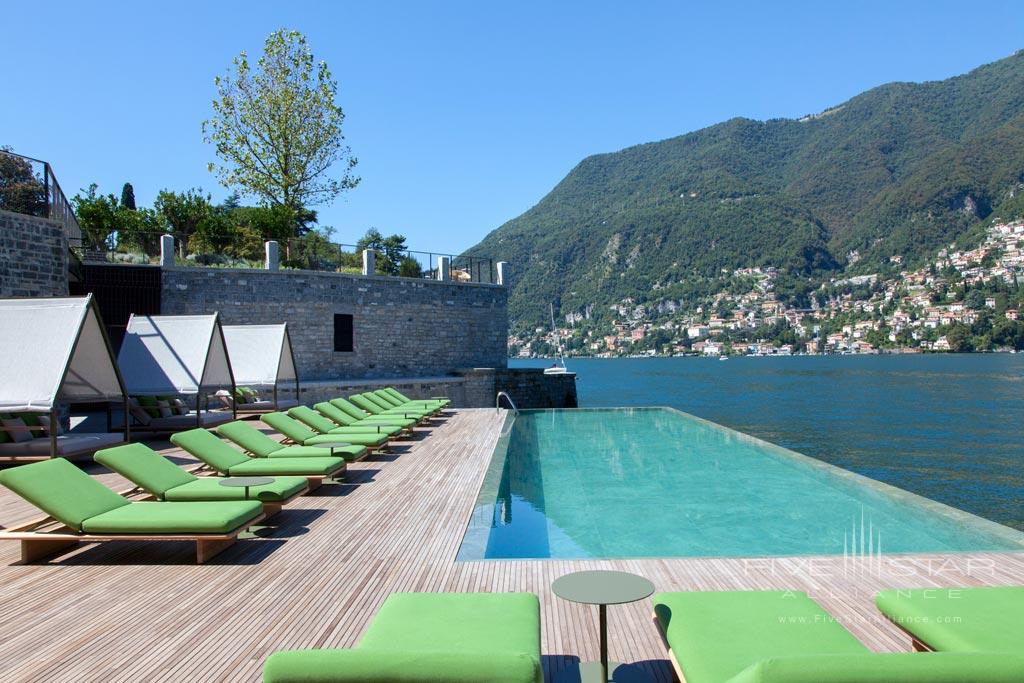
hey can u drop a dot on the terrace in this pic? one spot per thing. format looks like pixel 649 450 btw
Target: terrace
pixel 144 611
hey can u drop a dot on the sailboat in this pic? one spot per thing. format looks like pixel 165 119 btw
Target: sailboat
pixel 557 369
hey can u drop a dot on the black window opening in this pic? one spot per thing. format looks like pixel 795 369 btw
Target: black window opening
pixel 342 332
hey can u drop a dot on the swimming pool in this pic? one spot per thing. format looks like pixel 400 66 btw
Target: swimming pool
pixel 656 482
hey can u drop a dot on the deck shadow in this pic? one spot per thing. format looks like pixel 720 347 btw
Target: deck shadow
pixel 245 552
pixel 342 488
pixel 566 669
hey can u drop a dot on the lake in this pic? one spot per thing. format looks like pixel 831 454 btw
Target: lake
pixel 947 427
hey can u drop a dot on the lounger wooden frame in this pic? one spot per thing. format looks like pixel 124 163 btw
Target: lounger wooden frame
pixel 341 439
pixel 917 644
pixel 46 536
pixel 671 653
pixel 270 507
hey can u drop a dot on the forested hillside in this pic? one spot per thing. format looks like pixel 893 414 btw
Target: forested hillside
pixel 900 170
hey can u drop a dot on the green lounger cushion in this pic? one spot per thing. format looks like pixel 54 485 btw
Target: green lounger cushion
pixel 342 418
pixel 987 619
pixel 715 635
pixel 305 467
pixel 360 414
pixel 356 438
pixel 321 425
pixel 399 395
pixel 432 637
pixel 346 452
pixel 387 407
pixel 62 491
pixel 371 406
pixel 174 518
pixel 300 433
pixel 205 446
pixel 209 488
pixel 899 667
pixel 312 419
pixel 389 399
pixel 390 666
pixel 142 465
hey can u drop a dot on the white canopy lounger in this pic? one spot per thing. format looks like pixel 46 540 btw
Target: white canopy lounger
pixel 261 356
pixel 53 351
pixel 176 355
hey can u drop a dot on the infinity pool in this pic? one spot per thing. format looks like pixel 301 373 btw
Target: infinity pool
pixel 655 482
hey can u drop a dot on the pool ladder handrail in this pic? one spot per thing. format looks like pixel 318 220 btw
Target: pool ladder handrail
pixel 497 402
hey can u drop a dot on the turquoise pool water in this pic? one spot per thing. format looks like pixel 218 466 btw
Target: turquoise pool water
pixel 655 482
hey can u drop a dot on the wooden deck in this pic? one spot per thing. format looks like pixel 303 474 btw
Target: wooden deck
pixel 135 611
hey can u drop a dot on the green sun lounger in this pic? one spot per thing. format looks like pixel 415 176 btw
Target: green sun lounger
pixel 260 445
pixel 786 637
pixel 387 403
pixel 358 413
pixel 981 619
pixel 299 433
pixel 341 418
pixel 161 478
pixel 89 511
pixel 440 400
pixel 222 458
pixel 400 400
pixel 384 399
pixel 322 425
pixel 371 404
pixel 430 638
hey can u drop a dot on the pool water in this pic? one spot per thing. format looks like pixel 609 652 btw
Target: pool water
pixel 656 482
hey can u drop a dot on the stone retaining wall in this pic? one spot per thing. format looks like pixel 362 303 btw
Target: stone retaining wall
pixel 476 388
pixel 402 327
pixel 33 256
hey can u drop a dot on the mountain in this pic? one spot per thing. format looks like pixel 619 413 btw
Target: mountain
pixel 901 169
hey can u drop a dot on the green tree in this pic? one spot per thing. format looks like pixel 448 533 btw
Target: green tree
pixel 974 299
pixel 409 267
pixel 128 197
pixel 959 338
pixel 97 216
pixel 21 191
pixel 140 230
pixel 184 212
pixel 390 250
pixel 277 130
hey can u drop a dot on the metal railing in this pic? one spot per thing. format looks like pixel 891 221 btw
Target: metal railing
pixel 312 254
pixel 28 186
pixel 497 401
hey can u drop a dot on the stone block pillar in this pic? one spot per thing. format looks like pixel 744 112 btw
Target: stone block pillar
pixel 166 251
pixel 444 268
pixel 369 262
pixel 503 273
pixel 272 260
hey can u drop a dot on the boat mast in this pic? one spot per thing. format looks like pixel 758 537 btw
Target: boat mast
pixel 558 339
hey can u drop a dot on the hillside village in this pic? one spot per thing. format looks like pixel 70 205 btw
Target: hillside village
pixel 964 300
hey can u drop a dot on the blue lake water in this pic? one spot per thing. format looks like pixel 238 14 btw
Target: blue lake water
pixel 655 482
pixel 947 427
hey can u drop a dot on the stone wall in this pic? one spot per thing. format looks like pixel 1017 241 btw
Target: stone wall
pixel 33 256
pixel 471 388
pixel 402 327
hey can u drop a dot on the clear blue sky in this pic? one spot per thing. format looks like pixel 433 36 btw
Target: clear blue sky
pixel 462 114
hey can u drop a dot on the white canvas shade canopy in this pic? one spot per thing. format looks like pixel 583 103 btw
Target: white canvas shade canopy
pixel 174 355
pixel 261 355
pixel 54 350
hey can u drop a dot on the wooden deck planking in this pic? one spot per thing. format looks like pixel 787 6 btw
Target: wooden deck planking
pixel 132 611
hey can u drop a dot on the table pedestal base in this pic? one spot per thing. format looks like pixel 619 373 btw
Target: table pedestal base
pixel 590 672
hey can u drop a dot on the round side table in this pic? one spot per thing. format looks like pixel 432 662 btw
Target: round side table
pixel 246 482
pixel 332 445
pixel 602 588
